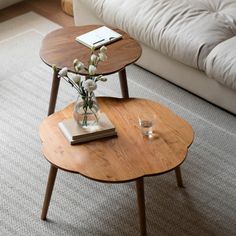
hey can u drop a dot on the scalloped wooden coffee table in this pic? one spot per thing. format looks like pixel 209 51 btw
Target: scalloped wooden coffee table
pixel 128 157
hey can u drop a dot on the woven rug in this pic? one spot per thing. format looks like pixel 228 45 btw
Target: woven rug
pixel 206 206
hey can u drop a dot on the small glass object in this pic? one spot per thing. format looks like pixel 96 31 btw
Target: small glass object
pixel 146 123
pixel 86 111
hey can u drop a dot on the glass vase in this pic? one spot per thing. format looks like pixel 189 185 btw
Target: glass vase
pixel 86 111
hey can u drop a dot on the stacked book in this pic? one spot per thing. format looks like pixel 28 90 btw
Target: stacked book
pixel 74 133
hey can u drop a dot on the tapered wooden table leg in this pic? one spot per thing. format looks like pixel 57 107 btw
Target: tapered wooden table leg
pixel 123 83
pixel 178 176
pixel 48 194
pixel 54 92
pixel 141 205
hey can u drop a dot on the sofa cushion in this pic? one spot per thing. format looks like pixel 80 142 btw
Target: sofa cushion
pixel 221 63
pixel 185 30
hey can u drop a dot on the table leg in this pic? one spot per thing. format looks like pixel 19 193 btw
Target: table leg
pixel 123 83
pixel 178 176
pixel 49 189
pixel 54 92
pixel 141 205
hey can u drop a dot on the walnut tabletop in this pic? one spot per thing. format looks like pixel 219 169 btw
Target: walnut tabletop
pixel 124 158
pixel 60 48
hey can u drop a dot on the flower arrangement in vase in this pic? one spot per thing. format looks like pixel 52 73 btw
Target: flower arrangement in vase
pixel 86 109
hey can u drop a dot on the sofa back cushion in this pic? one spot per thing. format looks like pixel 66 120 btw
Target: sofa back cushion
pixel 182 29
pixel 185 30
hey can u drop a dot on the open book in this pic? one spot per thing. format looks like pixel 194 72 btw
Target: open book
pixel 99 37
pixel 77 134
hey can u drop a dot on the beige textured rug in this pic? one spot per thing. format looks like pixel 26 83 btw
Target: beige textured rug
pixel 206 206
pixel 20 40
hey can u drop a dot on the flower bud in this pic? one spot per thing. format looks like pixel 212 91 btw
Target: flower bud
pixel 103 49
pixel 92 69
pixel 76 78
pixel 90 85
pixel 103 79
pixel 79 66
pixel 102 56
pixel 63 72
pixel 75 62
pixel 93 59
pixel 98 77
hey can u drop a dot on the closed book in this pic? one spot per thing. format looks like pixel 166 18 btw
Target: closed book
pixel 98 37
pixel 77 134
pixel 93 137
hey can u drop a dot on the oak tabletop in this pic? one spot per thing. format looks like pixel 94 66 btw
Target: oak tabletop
pixel 126 157
pixel 60 48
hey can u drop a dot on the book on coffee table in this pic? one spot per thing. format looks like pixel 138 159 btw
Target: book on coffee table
pixel 99 37
pixel 74 133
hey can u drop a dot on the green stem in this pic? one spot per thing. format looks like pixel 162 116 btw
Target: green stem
pixel 94 115
pixel 85 118
pixel 88 104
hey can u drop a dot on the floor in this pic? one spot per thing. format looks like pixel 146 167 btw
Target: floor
pixel 42 7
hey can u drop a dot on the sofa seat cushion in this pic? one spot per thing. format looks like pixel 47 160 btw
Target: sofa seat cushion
pixel 185 30
pixel 221 63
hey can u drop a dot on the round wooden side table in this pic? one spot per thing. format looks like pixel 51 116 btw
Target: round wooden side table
pixel 60 48
pixel 128 157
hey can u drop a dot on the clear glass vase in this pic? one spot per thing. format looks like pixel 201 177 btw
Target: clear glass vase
pixel 86 110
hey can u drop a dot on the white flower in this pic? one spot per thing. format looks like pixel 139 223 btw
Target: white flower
pixel 103 49
pixel 102 56
pixel 79 66
pixel 76 78
pixel 92 69
pixel 63 72
pixel 89 85
pixel 93 59
pixel 84 86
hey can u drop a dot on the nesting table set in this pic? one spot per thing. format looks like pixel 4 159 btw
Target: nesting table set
pixel 128 157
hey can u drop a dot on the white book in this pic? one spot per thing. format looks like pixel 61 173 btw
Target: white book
pixel 91 138
pixel 99 37
pixel 77 134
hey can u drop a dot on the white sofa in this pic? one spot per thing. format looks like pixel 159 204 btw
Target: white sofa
pixel 191 43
